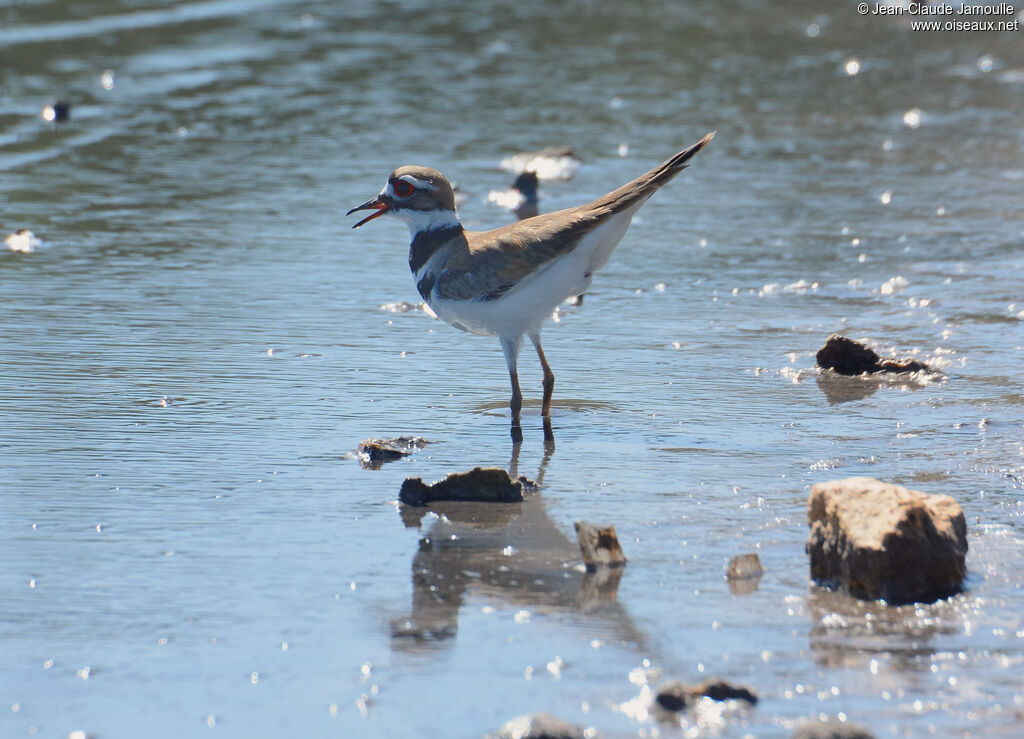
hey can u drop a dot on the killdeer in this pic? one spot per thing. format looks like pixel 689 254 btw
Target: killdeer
pixel 506 281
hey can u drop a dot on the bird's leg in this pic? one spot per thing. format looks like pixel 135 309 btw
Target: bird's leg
pixel 549 376
pixel 511 349
pixel 549 436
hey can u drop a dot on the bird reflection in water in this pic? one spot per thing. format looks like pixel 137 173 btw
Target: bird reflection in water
pixel 510 554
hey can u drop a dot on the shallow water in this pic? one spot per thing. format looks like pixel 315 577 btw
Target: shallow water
pixel 193 354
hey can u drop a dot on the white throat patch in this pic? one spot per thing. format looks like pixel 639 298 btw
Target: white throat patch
pixel 427 220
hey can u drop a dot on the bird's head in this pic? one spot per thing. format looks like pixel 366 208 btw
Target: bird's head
pixel 420 196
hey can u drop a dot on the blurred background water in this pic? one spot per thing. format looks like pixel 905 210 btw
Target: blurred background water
pixel 189 358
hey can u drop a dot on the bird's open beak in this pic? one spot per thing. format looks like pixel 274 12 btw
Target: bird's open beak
pixel 377 204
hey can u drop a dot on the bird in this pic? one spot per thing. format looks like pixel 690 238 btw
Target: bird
pixel 23 241
pixel 505 282
pixel 550 163
pixel 58 112
pixel 521 198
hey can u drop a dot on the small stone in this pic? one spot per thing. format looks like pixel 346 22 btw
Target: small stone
pixel 481 484
pixel 373 453
pixel 599 545
pixel 745 567
pixel 529 486
pixel 538 726
pixel 874 540
pixel 831 729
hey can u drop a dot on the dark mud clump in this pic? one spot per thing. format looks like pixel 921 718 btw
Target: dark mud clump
pixel 848 357
pixel 676 696
pixel 481 484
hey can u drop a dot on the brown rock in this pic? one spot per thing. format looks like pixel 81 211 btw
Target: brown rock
pixel 879 541
pixel 745 567
pixel 481 484
pixel 848 357
pixel 599 546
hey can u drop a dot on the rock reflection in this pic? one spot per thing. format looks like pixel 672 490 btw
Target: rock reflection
pixel 847 388
pixel 510 553
pixel 746 586
pixel 841 389
pixel 846 632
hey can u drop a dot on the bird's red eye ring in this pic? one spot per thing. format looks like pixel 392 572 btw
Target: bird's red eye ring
pixel 403 189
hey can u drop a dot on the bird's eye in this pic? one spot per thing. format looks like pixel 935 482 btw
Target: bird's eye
pixel 403 189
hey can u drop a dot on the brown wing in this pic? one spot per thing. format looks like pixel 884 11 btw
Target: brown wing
pixel 498 260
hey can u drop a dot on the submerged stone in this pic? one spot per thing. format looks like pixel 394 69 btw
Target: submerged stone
pixel 481 484
pixel 831 729
pixel 373 453
pixel 538 725
pixel 878 541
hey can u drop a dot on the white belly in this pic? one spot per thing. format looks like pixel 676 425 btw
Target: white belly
pixel 520 310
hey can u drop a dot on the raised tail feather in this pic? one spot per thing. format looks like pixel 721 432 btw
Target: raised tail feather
pixel 647 184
